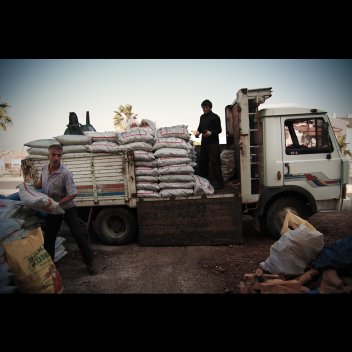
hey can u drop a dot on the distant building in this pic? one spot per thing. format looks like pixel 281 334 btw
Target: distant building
pixel 10 162
pixel 347 129
pixel 348 120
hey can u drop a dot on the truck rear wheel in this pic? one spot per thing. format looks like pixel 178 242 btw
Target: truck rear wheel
pixel 115 226
pixel 275 215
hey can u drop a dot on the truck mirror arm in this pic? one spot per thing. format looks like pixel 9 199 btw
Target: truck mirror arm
pixel 326 139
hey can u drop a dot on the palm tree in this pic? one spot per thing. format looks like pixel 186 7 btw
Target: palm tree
pixel 343 145
pixel 5 119
pixel 122 116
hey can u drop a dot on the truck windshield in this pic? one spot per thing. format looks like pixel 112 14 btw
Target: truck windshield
pixel 307 136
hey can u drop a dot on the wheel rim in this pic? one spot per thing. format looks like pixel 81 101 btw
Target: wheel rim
pixel 116 226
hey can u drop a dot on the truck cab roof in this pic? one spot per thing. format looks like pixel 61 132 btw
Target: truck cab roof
pixel 289 111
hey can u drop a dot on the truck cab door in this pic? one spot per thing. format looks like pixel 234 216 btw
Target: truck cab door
pixel 311 158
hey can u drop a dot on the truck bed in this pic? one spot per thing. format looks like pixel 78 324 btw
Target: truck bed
pixel 102 179
pixel 195 220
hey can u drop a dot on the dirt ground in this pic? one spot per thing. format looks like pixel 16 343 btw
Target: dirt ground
pixel 191 269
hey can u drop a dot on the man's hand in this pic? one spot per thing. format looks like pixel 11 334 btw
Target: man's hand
pixel 207 133
pixel 37 181
pixel 196 134
pixel 53 207
pixel 48 204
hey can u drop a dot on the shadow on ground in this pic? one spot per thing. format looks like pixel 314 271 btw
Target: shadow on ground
pixel 190 269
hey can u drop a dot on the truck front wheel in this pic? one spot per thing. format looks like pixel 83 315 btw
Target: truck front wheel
pixel 115 226
pixel 276 213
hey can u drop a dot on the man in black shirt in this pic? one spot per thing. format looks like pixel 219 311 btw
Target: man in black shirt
pixel 210 128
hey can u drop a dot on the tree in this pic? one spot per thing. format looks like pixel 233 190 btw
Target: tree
pixel 121 117
pixel 5 119
pixel 343 145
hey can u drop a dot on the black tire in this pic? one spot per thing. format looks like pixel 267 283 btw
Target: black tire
pixel 115 226
pixel 276 213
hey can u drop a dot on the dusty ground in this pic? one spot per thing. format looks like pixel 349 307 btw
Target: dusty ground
pixel 198 269
pixel 192 269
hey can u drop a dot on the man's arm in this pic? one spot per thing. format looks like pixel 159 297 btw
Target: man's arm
pixel 70 189
pixel 198 129
pixel 67 199
pixel 217 126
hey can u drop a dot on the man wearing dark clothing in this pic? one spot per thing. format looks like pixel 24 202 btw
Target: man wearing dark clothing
pixel 210 128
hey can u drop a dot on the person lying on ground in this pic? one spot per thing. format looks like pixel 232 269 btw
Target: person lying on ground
pixel 332 258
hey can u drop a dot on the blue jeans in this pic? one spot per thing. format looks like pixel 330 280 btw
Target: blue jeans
pixel 337 255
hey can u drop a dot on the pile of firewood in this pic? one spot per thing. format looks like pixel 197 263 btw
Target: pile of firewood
pixel 261 282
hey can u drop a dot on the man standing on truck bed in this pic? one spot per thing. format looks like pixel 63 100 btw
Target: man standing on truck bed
pixel 210 128
pixel 57 182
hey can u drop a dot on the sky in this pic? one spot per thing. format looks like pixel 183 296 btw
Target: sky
pixel 42 92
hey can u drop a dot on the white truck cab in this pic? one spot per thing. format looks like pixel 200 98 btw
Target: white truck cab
pixel 289 159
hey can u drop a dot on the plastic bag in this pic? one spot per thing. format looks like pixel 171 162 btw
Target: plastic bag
pixel 295 249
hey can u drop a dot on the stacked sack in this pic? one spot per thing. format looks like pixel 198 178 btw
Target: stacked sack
pixel 60 250
pixel 147 185
pixel 10 228
pixel 164 158
pixel 173 154
pixel 32 267
pixel 227 164
pixel 24 263
pixel 38 149
pixel 72 144
pixel 102 142
pixel 140 140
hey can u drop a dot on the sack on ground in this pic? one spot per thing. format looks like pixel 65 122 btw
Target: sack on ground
pixel 32 266
pixel 295 249
pixel 10 208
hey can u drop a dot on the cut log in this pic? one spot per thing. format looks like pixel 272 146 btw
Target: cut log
pixel 272 276
pixel 259 272
pixel 249 278
pixel 307 276
pixel 242 287
pixel 281 286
